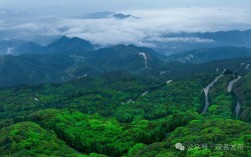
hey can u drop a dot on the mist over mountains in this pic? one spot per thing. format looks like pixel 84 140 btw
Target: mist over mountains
pixel 148 28
pixel 138 41
pixel 74 58
pixel 166 45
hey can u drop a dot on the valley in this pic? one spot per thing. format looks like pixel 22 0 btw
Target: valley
pixel 122 101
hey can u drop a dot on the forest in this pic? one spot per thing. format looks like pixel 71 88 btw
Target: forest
pixel 123 114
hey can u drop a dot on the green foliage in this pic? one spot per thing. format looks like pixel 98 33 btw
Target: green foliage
pixel 202 138
pixel 89 95
pixel 29 139
pixel 222 103
pixel 224 109
pixel 242 92
pixel 110 115
pixel 94 133
pixel 132 151
pixel 119 97
pixel 198 153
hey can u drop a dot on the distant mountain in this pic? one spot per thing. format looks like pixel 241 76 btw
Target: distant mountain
pixel 33 69
pixel 102 15
pixel 174 43
pixel 6 46
pixel 63 45
pixel 71 62
pixel 228 38
pixel 19 48
pixel 122 57
pixel 29 48
pixel 97 15
pixel 167 44
pixel 36 69
pixel 70 46
pixel 121 16
pixel 211 54
pixel 73 58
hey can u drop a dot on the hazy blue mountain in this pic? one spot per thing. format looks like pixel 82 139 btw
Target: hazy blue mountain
pixel 101 15
pixel 121 16
pixel 58 66
pixel 33 69
pixel 228 38
pixel 168 44
pixel 74 58
pixel 212 54
pixel 6 46
pixel 97 15
pixel 122 57
pixel 70 46
pixel 15 47
pixel 29 48
pixel 183 42
pixel 63 45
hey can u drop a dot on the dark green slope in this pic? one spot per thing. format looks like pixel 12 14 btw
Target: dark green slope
pixel 68 60
pixel 88 95
pixel 123 58
pixel 73 58
pixel 243 93
pixel 34 69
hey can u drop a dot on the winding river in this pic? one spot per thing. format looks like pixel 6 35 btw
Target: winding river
pixel 206 91
pixel 237 109
pixel 229 89
pixel 231 83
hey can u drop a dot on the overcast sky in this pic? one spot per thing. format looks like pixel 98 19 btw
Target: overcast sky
pixel 150 21
pixel 114 5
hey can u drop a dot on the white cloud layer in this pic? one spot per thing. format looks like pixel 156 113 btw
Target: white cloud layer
pixel 152 24
pixel 148 27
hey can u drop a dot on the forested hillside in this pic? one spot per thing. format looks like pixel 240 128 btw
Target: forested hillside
pixel 69 59
pixel 120 113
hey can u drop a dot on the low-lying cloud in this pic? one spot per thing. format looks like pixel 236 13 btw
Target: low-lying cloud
pixel 143 28
pixel 180 39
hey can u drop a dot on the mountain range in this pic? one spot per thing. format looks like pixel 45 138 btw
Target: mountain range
pixel 212 54
pixel 74 58
pixel 166 44
pixel 182 42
